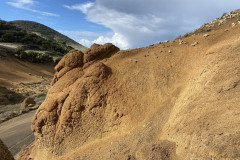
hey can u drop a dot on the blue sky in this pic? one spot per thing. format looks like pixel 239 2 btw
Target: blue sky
pixel 126 23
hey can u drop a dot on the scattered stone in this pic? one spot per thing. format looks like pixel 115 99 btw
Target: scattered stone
pixel 180 41
pixel 169 51
pixel 146 55
pixel 225 30
pixel 30 74
pixel 134 60
pixel 234 24
pixel 195 43
pixel 205 35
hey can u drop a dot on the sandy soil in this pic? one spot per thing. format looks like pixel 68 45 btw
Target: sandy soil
pixel 166 101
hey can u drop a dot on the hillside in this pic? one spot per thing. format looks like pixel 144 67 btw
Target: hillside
pixel 30 46
pixel 20 79
pixel 175 100
pixel 45 31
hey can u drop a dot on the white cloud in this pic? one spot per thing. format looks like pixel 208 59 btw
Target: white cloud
pixel 21 3
pixel 28 5
pixel 87 38
pixel 85 42
pixel 140 22
pixel 117 39
pixel 84 7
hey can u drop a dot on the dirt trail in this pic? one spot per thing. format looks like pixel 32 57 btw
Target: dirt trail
pixel 16 133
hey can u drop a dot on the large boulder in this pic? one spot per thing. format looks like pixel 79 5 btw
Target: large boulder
pixel 5 154
pixel 76 103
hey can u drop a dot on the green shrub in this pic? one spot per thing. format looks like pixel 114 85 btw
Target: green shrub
pixel 238 17
pixel 223 15
pixel 57 60
pixel 8 37
pixel 23 55
pixel 33 56
pixel 20 52
pixel 42 57
pixel 207 29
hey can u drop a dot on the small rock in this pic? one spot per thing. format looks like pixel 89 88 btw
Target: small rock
pixel 234 24
pixel 225 30
pixel 146 55
pixel 134 60
pixel 180 41
pixel 205 35
pixel 169 51
pixel 195 43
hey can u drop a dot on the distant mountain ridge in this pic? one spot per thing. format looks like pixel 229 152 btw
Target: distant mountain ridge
pixel 47 32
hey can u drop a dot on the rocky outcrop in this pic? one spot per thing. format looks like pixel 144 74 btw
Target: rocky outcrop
pixel 97 52
pixel 28 102
pixel 5 154
pixel 76 103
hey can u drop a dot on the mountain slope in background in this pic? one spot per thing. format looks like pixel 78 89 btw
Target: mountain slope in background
pixel 47 32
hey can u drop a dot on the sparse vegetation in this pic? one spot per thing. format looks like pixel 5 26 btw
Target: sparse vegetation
pixel 238 17
pixel 57 60
pixel 46 32
pixel 11 34
pixel 223 15
pixel 207 29
pixel 33 56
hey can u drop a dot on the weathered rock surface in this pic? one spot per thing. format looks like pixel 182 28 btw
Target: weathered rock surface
pixel 5 154
pixel 117 105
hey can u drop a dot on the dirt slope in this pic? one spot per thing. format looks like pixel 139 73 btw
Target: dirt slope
pixel 171 100
pixel 14 71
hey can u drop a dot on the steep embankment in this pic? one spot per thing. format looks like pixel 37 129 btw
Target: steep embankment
pixel 172 100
